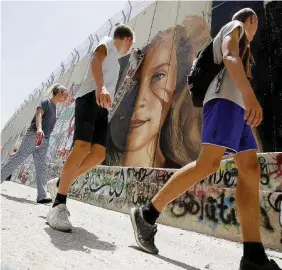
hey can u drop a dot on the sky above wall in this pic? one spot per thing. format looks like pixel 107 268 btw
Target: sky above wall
pixel 37 36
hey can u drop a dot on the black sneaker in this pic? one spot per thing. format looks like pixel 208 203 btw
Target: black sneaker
pixel 43 201
pixel 143 231
pixel 246 265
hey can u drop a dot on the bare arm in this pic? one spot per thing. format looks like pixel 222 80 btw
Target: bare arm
pixel 233 62
pixel 96 66
pixel 103 98
pixel 235 68
pixel 39 113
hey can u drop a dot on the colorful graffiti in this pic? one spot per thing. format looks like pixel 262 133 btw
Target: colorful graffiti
pixel 208 207
pixel 226 176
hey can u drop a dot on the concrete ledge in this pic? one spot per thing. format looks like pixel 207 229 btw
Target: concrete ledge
pixel 209 207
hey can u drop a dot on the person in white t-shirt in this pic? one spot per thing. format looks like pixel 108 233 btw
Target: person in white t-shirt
pixel 93 100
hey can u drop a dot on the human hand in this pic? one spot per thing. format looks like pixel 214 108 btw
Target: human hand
pixel 103 98
pixel 253 113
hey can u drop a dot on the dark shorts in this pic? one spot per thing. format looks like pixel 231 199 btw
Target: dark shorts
pixel 224 125
pixel 91 121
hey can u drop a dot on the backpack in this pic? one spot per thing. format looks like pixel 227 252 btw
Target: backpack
pixel 202 74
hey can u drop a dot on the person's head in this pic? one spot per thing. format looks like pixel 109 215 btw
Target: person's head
pixel 249 18
pixel 60 93
pixel 123 37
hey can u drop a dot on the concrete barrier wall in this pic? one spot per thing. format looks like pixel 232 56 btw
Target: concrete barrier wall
pixel 209 207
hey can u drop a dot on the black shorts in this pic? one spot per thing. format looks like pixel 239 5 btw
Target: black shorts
pixel 91 121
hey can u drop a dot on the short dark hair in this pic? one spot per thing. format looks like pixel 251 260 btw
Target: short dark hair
pixel 58 88
pixel 123 31
pixel 243 14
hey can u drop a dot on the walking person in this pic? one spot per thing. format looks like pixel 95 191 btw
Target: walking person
pixel 40 128
pixel 93 100
pixel 228 117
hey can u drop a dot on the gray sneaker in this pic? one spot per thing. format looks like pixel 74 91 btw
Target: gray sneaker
pixel 58 218
pixel 143 231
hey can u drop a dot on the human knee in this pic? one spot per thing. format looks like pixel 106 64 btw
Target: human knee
pixel 98 157
pixel 76 157
pixel 98 154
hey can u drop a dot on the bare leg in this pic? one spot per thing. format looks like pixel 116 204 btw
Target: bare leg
pixel 206 164
pixel 143 218
pixel 248 208
pixel 247 195
pixel 96 157
pixel 72 164
pixel 78 162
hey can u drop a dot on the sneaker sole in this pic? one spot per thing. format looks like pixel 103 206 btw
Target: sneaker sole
pixel 61 230
pixel 57 229
pixel 133 222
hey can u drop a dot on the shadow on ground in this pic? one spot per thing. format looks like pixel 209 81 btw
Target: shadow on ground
pixel 79 239
pixel 16 199
pixel 177 263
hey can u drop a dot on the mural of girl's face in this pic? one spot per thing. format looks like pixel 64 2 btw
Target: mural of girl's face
pixel 156 87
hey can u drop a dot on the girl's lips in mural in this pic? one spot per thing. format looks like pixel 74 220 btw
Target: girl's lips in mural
pixel 137 123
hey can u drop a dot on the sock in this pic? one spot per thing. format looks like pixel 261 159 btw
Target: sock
pixel 255 253
pixel 150 213
pixel 60 199
pixel 58 183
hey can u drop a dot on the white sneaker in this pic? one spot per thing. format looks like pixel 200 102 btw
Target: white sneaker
pixel 58 218
pixel 52 187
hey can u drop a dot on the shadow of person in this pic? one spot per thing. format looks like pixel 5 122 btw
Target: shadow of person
pixel 177 263
pixel 16 199
pixel 79 239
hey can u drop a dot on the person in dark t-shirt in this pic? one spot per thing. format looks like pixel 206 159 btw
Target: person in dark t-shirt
pixel 40 128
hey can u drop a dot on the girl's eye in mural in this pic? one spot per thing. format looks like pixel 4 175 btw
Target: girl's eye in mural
pixel 157 76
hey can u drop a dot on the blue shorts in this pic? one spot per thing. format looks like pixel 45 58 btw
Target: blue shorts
pixel 224 125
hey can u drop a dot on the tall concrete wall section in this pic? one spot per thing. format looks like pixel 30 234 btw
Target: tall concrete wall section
pixel 273 97
pixel 143 23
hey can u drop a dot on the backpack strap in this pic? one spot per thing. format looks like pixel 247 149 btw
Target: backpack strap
pixel 219 79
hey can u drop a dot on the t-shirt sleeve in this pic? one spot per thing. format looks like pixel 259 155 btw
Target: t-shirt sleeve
pixel 228 28
pixel 107 42
pixel 43 104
